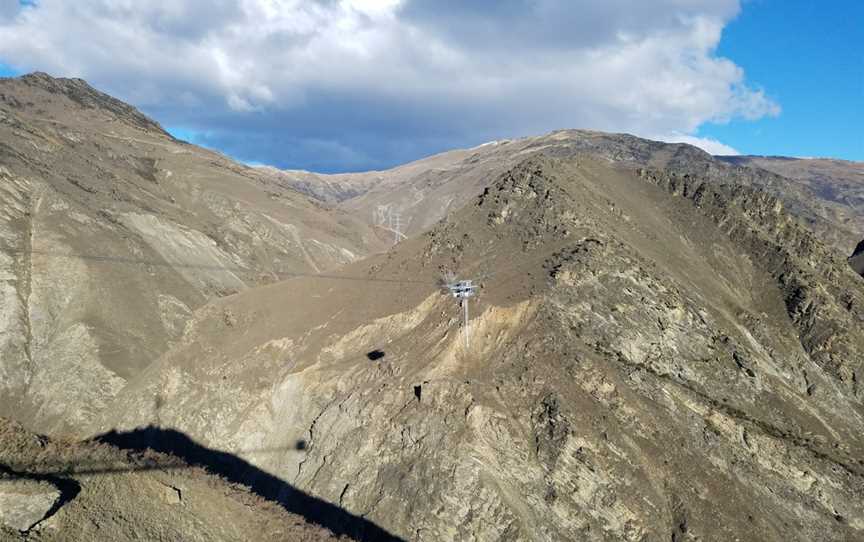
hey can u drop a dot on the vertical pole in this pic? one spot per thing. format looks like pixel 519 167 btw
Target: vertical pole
pixel 397 227
pixel 465 324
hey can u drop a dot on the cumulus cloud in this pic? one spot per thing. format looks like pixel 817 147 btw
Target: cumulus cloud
pixel 346 84
pixel 707 144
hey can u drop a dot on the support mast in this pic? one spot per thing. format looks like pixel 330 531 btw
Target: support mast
pixel 463 290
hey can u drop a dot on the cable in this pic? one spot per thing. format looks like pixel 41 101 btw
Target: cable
pixel 288 274
pixel 133 261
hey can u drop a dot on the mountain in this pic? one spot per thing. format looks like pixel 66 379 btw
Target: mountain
pixel 662 345
pixel 112 233
pixel 838 186
pixel 423 192
pixel 652 355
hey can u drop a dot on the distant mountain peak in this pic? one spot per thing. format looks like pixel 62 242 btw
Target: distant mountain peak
pixel 85 95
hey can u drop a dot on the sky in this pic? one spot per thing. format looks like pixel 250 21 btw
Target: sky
pixel 348 85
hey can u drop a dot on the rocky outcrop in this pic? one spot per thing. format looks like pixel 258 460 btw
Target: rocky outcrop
pixel 25 503
pixel 835 184
pixel 822 296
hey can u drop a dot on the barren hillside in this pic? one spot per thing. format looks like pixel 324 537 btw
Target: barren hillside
pixel 821 193
pixel 838 185
pixel 112 233
pixel 652 355
pixel 663 345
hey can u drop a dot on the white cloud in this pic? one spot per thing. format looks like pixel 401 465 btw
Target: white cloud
pixel 707 144
pixel 392 79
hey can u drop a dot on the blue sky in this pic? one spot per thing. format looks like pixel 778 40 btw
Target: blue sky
pixel 342 85
pixel 809 56
pixel 7 71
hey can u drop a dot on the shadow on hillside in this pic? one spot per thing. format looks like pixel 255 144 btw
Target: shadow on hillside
pixel 235 469
pixel 375 355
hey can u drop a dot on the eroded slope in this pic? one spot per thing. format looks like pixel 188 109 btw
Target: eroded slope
pixel 652 356
pixel 838 185
pixel 112 233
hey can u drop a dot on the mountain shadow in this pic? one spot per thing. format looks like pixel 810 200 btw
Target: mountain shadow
pixel 232 468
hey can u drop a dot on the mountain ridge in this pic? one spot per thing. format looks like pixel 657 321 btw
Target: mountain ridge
pixel 80 91
pixel 423 191
pixel 112 232
pixel 586 314
pixel 662 345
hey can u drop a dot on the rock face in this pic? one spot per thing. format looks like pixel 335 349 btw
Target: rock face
pixel 24 503
pixel 112 233
pixel 654 355
pixel 838 186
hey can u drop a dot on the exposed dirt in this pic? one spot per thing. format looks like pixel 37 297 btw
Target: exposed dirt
pixel 107 494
